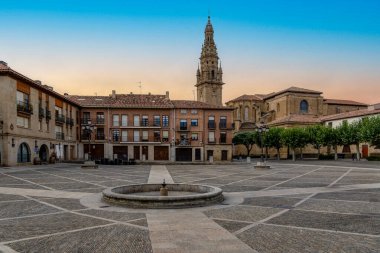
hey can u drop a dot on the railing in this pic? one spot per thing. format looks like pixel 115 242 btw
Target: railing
pixel 99 121
pixel 100 137
pixel 24 107
pixel 222 125
pixel 183 127
pixel 165 139
pixel 145 122
pixel 157 139
pixel 85 121
pixel 156 123
pixel 223 140
pixel 212 141
pixel 183 142
pixel 41 112
pixel 48 114
pixel 59 118
pixel 211 125
pixel 69 121
pixel 59 136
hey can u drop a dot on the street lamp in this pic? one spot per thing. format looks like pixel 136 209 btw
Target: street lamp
pixel 89 129
pixel 261 130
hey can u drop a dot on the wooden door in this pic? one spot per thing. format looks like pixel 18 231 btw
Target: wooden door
pixel 136 152
pixel 161 153
pixel 365 151
pixel 197 154
pixel 224 155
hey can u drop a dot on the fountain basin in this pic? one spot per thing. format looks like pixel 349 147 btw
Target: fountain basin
pixel 148 196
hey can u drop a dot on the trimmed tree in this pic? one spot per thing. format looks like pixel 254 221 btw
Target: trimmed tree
pixel 332 138
pixel 351 135
pixel 294 138
pixel 273 139
pixel 248 139
pixel 316 136
pixel 370 131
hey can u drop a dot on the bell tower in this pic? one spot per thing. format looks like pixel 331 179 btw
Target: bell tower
pixel 209 73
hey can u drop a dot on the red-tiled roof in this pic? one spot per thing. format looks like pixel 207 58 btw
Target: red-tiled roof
pixel 343 102
pixel 6 70
pixel 188 104
pixel 245 97
pixel 351 114
pixel 123 101
pixel 293 89
pixel 296 118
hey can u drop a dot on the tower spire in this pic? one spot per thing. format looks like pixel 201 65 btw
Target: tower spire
pixel 209 76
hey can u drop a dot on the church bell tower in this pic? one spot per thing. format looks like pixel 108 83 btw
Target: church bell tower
pixel 209 73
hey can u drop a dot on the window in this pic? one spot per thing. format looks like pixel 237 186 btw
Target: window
pixel 165 136
pixel 136 136
pixel 211 122
pixel 278 107
pixel 304 106
pixel 124 120
pixel 211 136
pixel 246 113
pixel 330 124
pixel 194 111
pixel 194 122
pixel 165 121
pixel 100 134
pixel 116 135
pixel 223 137
pixel 116 119
pixel 144 120
pixel 223 122
pixel 22 97
pixel 40 125
pixel 124 135
pixel 183 111
pixel 145 136
pixel 156 120
pixel 157 136
pixel 86 118
pixel 136 120
pixel 183 124
pixel 22 122
pixel 100 118
pixel 194 136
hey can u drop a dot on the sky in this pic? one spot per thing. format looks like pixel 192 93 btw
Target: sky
pixel 94 47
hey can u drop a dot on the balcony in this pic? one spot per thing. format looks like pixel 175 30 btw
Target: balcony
pixel 100 137
pixel 183 142
pixel 41 113
pixel 156 123
pixel 99 121
pixel 59 136
pixel 48 114
pixel 24 107
pixel 69 121
pixel 85 121
pixel 183 127
pixel 144 123
pixel 211 141
pixel 222 125
pixel 223 140
pixel 60 118
pixel 211 125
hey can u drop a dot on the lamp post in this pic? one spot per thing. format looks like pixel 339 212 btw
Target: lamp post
pixel 89 129
pixel 261 130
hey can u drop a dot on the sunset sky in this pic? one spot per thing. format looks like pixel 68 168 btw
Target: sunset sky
pixel 93 47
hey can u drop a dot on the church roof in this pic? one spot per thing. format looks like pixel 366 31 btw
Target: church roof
pixel 296 119
pixel 293 89
pixel 245 97
pixel 343 102
pixel 372 110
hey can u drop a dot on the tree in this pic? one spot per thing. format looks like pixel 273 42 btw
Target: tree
pixel 248 139
pixel 295 137
pixel 316 136
pixel 370 131
pixel 350 134
pixel 273 139
pixel 332 138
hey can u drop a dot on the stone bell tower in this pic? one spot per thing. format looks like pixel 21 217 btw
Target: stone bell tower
pixel 209 73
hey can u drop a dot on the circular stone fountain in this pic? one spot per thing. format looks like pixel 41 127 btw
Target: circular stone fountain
pixel 148 196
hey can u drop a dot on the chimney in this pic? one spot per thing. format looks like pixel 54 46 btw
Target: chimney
pixel 167 94
pixel 48 87
pixel 131 93
pixel 149 93
pixel 4 63
pixel 65 94
pixel 38 82
pixel 113 94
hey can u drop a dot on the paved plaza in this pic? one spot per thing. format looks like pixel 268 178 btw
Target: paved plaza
pixel 293 207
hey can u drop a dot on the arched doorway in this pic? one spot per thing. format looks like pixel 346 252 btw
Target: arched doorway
pixel 43 153
pixel 23 153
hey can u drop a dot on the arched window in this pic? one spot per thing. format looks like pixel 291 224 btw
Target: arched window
pixel 246 113
pixel 23 153
pixel 304 106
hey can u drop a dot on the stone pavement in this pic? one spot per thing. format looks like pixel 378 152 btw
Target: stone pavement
pixel 294 207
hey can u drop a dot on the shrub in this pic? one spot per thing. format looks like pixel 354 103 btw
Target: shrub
pixel 326 157
pixel 373 158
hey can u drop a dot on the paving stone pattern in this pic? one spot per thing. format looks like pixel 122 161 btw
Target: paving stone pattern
pixel 52 218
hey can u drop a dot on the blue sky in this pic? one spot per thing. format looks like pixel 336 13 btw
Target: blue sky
pixel 86 47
